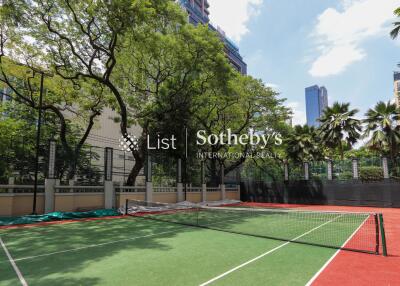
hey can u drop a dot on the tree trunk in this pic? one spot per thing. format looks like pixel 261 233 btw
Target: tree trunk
pixel 341 150
pixel 135 172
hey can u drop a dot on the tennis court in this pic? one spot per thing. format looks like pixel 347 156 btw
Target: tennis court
pixel 208 246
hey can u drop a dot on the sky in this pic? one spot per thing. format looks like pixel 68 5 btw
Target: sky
pixel 343 45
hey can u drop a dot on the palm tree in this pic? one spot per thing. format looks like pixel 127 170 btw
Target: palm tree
pixel 303 144
pixel 382 122
pixel 395 32
pixel 338 125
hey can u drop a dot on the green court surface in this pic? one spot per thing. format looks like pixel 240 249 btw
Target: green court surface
pixel 139 251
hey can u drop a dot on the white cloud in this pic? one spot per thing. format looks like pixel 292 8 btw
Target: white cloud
pixel 233 16
pixel 299 114
pixel 272 85
pixel 339 35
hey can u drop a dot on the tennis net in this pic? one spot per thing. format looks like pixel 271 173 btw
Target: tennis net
pixel 340 230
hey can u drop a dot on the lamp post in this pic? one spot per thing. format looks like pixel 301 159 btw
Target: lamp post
pixel 39 123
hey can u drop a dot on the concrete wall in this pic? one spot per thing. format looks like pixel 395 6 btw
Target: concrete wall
pixel 16 204
pixel 165 197
pixel 69 202
pixel 194 197
pixel 232 195
pixel 214 196
pixel 20 204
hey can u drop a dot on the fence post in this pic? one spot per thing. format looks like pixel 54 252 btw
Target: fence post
pixel 286 170
pixel 149 180
pixel 108 176
pixel 203 183
pixel 330 170
pixel 50 181
pixel 306 171
pixel 238 179
pixel 356 174
pixel 222 186
pixel 179 187
pixel 385 167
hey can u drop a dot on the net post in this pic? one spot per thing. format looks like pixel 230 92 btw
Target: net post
pixel 377 233
pixel 382 228
pixel 126 206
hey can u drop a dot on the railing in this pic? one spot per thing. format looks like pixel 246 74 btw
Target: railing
pixel 231 189
pixel 20 189
pixel 130 189
pixel 79 189
pixel 165 189
pixel 213 189
pixel 190 189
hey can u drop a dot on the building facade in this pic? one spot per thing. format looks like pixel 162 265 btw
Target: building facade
pixel 198 13
pixel 316 102
pixel 396 78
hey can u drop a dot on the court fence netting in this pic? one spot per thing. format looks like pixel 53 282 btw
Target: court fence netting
pixel 353 231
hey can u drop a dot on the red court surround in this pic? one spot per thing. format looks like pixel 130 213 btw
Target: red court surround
pixel 352 268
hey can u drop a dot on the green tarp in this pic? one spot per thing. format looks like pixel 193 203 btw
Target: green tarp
pixel 29 219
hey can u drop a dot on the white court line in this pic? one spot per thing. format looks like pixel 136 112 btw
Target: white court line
pixel 334 255
pixel 94 245
pixel 264 254
pixel 14 265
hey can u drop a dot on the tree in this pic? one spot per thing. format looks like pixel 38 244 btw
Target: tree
pixel 75 105
pixel 303 144
pixel 163 74
pixel 382 126
pixel 337 125
pixel 245 106
pixel 396 30
pixel 90 40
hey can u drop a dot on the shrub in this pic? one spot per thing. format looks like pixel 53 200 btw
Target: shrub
pixel 371 174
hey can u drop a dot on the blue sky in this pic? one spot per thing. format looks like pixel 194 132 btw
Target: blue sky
pixel 291 44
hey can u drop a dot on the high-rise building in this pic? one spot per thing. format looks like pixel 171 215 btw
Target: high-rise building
pixel 198 14
pixel 396 77
pixel 316 102
pixel 4 95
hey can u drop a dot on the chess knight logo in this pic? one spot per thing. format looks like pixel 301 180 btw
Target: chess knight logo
pixel 129 143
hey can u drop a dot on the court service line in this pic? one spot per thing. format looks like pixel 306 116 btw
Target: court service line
pixel 14 265
pixel 265 254
pixel 334 255
pixel 94 245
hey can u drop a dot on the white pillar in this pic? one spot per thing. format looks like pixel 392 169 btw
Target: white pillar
pixel 385 167
pixel 149 192
pixel 306 171
pixel 179 184
pixel 330 170
pixel 286 170
pixel 356 174
pixel 11 181
pixel 222 186
pixel 204 192
pixel 109 193
pixel 50 182
pixel 149 180
pixel 49 193
pixel 180 194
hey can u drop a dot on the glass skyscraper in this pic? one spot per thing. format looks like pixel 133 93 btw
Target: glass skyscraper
pixel 316 102
pixel 396 77
pixel 198 14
